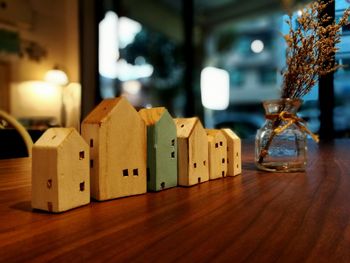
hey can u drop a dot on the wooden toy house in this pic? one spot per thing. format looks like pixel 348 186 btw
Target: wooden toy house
pixel 217 150
pixel 60 171
pixel 116 135
pixel 161 149
pixel 234 161
pixel 192 145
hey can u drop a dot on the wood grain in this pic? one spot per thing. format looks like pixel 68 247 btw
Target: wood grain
pixel 255 217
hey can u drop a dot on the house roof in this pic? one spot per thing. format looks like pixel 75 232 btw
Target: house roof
pixel 213 132
pixel 230 133
pixel 54 137
pixel 184 126
pixel 102 110
pixel 153 115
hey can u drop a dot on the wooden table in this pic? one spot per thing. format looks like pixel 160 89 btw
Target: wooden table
pixel 255 217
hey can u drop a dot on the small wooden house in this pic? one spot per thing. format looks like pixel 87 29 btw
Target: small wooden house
pixel 116 135
pixel 192 145
pixel 217 150
pixel 60 171
pixel 161 149
pixel 234 160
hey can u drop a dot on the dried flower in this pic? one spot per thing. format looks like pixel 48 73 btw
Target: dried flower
pixel 311 46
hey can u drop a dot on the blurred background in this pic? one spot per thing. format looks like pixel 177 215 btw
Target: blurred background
pixel 214 59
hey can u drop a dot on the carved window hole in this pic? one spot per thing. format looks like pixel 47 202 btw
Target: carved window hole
pixel 223 160
pixel 135 172
pixel 173 142
pixel 91 163
pixel 223 173
pixel 162 185
pixel 199 180
pixel 49 183
pixel 91 143
pixel 82 186
pixel 172 154
pixel 195 165
pixel 216 145
pixel 81 155
pixel 220 143
pixel 125 172
pixel 182 125
pixel 204 163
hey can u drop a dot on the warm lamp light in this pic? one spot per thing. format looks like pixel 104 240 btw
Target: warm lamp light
pixel 215 88
pixel 57 77
pixel 36 99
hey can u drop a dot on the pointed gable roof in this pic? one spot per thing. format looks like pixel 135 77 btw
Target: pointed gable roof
pixel 54 137
pixel 212 132
pixel 230 133
pixel 153 115
pixel 185 126
pixel 102 110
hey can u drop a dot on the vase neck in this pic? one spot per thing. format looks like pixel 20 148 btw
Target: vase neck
pixel 276 106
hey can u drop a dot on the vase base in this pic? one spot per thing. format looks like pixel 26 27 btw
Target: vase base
pixel 281 167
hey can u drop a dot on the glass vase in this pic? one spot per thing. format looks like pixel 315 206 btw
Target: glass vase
pixel 280 144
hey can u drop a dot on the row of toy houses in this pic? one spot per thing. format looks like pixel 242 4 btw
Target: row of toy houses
pixel 122 152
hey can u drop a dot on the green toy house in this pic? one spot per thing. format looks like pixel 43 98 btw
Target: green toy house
pixel 161 149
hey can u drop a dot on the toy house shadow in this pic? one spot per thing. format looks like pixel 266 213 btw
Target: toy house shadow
pixel 24 206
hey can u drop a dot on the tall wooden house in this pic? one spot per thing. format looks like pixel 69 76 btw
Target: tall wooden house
pixel 60 171
pixel 192 144
pixel 234 160
pixel 161 149
pixel 217 148
pixel 116 135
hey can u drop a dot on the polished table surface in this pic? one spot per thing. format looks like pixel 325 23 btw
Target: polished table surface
pixel 254 217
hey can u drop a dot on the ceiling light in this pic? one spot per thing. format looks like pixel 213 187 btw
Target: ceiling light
pixel 257 46
pixel 215 88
